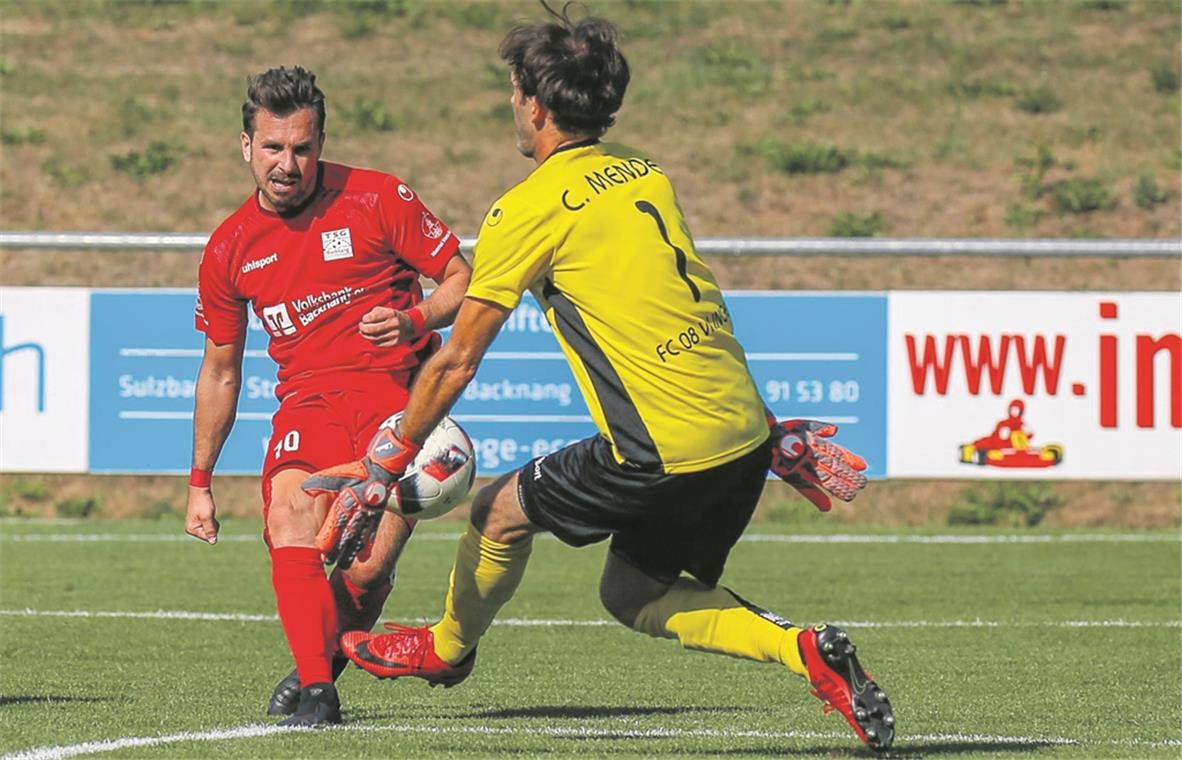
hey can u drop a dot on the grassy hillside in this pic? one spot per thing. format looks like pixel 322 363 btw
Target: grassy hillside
pixel 799 117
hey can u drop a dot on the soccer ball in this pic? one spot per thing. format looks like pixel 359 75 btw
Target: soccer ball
pixel 441 475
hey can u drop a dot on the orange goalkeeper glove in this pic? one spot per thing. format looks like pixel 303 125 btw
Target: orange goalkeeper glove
pixel 362 489
pixel 814 466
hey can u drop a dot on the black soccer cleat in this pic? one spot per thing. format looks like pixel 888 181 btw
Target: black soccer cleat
pixel 286 696
pixel 319 707
pixel 839 681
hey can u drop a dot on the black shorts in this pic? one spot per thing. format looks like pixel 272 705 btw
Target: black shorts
pixel 661 524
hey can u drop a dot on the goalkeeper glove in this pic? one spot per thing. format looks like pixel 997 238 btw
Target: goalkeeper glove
pixel 362 490
pixel 814 466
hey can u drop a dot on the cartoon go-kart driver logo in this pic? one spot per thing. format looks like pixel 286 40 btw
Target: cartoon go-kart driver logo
pixel 1009 445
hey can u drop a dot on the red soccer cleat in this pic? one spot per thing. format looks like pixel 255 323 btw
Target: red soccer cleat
pixel 406 651
pixel 839 681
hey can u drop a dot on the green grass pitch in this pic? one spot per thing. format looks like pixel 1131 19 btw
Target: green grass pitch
pixel 1057 645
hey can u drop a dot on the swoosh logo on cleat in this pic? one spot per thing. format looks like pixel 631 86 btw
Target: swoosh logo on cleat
pixel 859 685
pixel 364 653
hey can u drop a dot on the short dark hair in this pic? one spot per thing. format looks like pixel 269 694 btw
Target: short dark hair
pixel 282 91
pixel 575 69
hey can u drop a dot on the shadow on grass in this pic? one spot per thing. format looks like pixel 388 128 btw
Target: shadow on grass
pixel 569 712
pixel 740 745
pixel 37 699
pixel 915 749
pixel 615 711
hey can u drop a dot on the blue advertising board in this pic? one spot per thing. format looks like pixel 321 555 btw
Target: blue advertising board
pixel 821 356
pixel 144 356
pixel 523 402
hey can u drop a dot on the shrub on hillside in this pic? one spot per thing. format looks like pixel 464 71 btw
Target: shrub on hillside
pixel 1039 100
pixel 1020 217
pixel 357 25
pixel 733 65
pixel 370 115
pixel 65 175
pixel 1146 193
pixel 850 225
pixel 1081 195
pixel 1013 505
pixel 979 88
pixel 155 160
pixel 806 107
pixel 78 508
pixel 801 156
pixel 30 135
pixel 1165 78
pixel 1034 170
pixel 16 489
pixel 875 160
pixel 392 8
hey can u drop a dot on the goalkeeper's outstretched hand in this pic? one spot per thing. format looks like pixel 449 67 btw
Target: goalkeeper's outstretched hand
pixel 804 458
pixel 362 489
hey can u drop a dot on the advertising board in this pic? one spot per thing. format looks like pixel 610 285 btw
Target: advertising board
pixel 44 366
pixel 1045 385
pixel 971 385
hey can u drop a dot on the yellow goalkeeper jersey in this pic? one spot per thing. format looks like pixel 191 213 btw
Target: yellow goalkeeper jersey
pixel 596 234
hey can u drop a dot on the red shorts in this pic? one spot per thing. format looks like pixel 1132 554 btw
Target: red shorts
pixel 312 431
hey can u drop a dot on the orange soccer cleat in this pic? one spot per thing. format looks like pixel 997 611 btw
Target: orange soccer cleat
pixel 839 681
pixel 405 651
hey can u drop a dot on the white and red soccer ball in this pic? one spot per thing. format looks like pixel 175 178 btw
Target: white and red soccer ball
pixel 440 476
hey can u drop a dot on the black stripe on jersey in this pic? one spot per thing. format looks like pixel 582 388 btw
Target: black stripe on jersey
pixel 627 429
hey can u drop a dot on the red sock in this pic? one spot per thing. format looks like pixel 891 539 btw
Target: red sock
pixel 357 608
pixel 306 610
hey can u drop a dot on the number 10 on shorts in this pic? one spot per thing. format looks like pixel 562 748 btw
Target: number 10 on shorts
pixel 289 442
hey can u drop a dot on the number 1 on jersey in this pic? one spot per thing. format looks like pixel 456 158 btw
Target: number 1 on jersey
pixel 682 260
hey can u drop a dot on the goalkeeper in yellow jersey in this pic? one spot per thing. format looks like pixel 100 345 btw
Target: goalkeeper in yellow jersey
pixel 684 444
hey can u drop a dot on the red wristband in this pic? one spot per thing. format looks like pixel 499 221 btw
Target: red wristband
pixel 199 478
pixel 418 320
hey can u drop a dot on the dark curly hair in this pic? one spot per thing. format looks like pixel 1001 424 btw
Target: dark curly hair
pixel 575 69
pixel 282 91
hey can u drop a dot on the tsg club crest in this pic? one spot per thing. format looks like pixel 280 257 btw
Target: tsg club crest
pixel 337 244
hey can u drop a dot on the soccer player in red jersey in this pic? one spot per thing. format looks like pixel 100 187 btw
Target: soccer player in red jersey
pixel 328 257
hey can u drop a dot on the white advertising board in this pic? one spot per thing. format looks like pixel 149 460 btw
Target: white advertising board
pixel 1035 385
pixel 44 379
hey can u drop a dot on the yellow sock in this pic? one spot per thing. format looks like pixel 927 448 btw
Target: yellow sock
pixel 716 620
pixel 484 577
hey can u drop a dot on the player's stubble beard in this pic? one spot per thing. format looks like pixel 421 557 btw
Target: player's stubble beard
pixel 523 143
pixel 523 135
pixel 285 203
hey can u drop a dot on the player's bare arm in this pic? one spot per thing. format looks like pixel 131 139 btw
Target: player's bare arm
pixel 385 326
pixel 215 406
pixel 444 377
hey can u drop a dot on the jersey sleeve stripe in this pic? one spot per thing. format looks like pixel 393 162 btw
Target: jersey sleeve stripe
pixel 628 431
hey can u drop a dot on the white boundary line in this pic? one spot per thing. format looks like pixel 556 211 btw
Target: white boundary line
pixel 245 617
pixel 774 538
pixel 584 732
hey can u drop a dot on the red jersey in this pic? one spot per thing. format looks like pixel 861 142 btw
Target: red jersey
pixel 361 241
